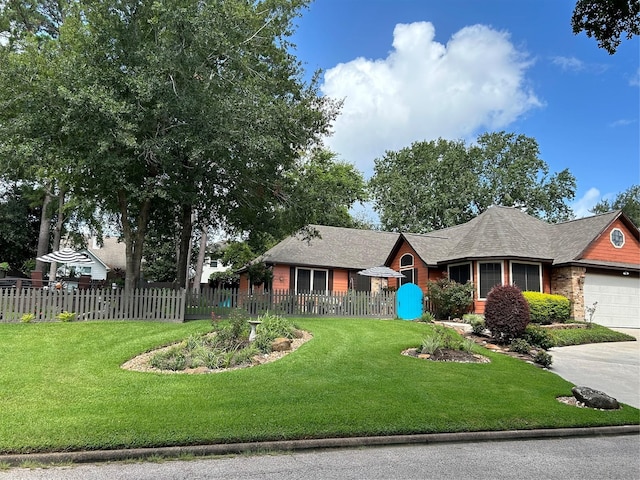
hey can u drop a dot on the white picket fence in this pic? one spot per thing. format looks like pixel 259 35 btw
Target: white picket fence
pixel 41 305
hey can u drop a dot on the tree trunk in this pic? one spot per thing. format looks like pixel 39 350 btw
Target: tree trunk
pixel 186 224
pixel 45 227
pixel 133 239
pixel 57 231
pixel 200 263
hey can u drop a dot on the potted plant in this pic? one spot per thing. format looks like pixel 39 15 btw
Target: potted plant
pixel 4 267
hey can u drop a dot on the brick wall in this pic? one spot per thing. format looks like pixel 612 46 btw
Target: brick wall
pixel 569 281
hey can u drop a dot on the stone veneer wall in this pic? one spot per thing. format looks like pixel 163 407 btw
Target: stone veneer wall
pixel 569 281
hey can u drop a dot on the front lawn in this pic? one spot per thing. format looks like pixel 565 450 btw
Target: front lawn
pixel 62 388
pixel 593 334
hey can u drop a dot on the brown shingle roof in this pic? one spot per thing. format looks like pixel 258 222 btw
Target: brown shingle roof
pixel 502 232
pixel 336 247
pixel 497 232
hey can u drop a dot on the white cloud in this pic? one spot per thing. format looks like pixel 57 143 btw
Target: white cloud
pixel 424 90
pixel 568 63
pixel 622 123
pixel 582 206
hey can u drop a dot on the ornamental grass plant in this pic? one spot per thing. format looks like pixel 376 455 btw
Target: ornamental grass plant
pixel 62 388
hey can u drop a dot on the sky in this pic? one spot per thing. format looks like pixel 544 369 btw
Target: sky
pixel 418 70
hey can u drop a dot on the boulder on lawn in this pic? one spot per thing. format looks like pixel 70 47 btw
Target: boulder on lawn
pixel 281 344
pixel 594 398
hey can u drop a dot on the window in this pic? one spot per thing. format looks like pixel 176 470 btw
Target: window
pixel 311 280
pixel 214 263
pixel 406 260
pixel 460 273
pixel 406 268
pixel 617 238
pixel 526 276
pixel 490 274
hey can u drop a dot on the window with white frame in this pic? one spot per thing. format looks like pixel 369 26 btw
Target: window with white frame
pixel 460 273
pixel 312 280
pixel 527 276
pixel 406 268
pixel 489 275
pixel 617 238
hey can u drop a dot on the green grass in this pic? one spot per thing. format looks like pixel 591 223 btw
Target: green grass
pixel 579 336
pixel 62 388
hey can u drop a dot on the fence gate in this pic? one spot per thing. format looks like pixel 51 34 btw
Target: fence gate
pixel 409 301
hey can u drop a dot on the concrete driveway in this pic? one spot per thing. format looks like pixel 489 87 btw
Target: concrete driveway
pixel 612 368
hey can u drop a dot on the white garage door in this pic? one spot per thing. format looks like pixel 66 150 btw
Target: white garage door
pixel 618 299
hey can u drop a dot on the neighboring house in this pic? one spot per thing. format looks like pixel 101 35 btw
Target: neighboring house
pixel 212 266
pixel 97 270
pixel 590 259
pixel 111 252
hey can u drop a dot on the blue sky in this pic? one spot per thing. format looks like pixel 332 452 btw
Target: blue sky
pixel 412 70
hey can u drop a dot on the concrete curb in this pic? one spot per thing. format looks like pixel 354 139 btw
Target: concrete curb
pixel 95 456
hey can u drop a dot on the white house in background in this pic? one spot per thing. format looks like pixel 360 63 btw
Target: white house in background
pixel 211 266
pixel 97 270
pixel 112 252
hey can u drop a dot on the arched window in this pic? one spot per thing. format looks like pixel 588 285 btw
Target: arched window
pixel 406 260
pixel 406 268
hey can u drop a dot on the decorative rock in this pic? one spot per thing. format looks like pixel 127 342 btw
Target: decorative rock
pixel 424 356
pixel 594 398
pixel 281 344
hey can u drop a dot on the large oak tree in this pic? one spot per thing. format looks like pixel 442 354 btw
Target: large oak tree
pixel 199 105
pixel 441 183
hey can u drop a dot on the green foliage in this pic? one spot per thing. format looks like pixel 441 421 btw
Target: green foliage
pixel 27 318
pixel 226 279
pixel 506 313
pixel 627 201
pixel 451 183
pixel 545 308
pixel 595 334
pixel 543 358
pixel 4 266
pixel 19 224
pixel 471 318
pixel 520 345
pixel 201 108
pixel 66 316
pixel 450 299
pixel 539 337
pixel 478 326
pixel 272 327
pixel 441 337
pixel 173 359
pixel 607 21
pixel 427 317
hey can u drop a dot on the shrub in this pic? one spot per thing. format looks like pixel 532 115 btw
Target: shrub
pixel 450 298
pixel 545 308
pixel 543 358
pixel 478 326
pixel 27 318
pixel 538 337
pixel 472 317
pixel 272 327
pixel 520 345
pixel 427 317
pixel 430 344
pixel 506 313
pixel 66 316
pixel 173 358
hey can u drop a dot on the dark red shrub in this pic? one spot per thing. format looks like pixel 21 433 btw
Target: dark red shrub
pixel 506 313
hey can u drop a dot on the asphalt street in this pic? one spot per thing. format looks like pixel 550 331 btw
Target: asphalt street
pixel 584 458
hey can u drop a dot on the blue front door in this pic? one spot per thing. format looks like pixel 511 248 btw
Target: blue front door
pixel 409 302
